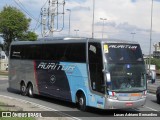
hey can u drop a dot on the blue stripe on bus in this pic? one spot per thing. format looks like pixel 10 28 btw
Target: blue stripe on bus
pixel 78 80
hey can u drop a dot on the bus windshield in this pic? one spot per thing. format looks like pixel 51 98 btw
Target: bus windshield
pixel 126 67
pixel 121 53
pixel 127 77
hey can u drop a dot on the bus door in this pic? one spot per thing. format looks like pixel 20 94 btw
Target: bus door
pixel 95 67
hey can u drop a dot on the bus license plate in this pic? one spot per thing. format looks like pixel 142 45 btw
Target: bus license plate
pixel 129 104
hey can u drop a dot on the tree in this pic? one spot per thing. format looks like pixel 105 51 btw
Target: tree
pixel 14 25
pixel 156 62
pixel 31 36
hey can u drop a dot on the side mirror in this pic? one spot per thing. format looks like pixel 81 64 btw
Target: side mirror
pixel 107 75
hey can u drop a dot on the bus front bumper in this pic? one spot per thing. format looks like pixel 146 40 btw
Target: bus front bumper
pixel 117 104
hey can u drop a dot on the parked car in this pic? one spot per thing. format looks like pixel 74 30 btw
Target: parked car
pixel 158 95
pixel 7 67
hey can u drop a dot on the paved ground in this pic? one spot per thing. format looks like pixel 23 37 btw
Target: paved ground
pixel 3 77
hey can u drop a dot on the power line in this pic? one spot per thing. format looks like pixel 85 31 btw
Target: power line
pixel 25 10
pixel 21 6
pixel 45 3
pixel 37 26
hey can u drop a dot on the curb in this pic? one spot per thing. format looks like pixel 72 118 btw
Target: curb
pixel 3 76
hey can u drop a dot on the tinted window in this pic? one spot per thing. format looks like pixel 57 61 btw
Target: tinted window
pixel 3 57
pixel 33 52
pixel 75 52
pixel 123 53
pixel 66 52
pixel 16 52
pixel 54 51
pixel 28 52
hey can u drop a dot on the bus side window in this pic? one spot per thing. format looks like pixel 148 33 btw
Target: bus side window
pixel 60 52
pixel 50 52
pixel 96 66
pixel 77 53
pixel 16 52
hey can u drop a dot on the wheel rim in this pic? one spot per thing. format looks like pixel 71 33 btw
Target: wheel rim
pixel 81 101
pixel 23 88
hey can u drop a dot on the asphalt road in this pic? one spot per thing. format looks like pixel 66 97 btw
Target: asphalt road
pixel 93 114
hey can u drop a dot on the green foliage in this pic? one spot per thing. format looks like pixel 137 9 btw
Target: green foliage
pixel 14 25
pixel 17 118
pixel 28 36
pixel 12 118
pixel 156 62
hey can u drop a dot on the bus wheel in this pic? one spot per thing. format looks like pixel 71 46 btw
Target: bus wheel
pixel 30 90
pixel 158 99
pixel 23 89
pixel 82 102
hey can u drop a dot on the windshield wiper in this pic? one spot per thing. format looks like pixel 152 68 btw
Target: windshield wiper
pixel 137 90
pixel 129 90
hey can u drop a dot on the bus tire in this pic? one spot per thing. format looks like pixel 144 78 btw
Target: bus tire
pixel 82 102
pixel 158 99
pixel 23 90
pixel 30 91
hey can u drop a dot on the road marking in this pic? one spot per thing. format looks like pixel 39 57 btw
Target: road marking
pixel 41 106
pixel 147 108
pixel 152 109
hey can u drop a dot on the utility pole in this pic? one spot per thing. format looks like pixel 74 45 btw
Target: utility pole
pixel 103 19
pixel 76 30
pixel 43 19
pixel 51 14
pixel 69 10
pixel 150 36
pixel 133 33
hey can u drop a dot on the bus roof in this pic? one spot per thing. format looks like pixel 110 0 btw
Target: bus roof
pixel 71 40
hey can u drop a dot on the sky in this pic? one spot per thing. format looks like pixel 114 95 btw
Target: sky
pixel 125 19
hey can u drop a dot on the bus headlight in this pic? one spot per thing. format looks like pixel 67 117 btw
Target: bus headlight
pixel 112 97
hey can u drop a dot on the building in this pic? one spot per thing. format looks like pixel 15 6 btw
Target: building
pixel 156 52
pixel 3 59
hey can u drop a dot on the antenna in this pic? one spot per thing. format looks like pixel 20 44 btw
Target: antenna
pixel 93 19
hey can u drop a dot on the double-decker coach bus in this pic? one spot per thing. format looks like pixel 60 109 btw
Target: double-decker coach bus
pixel 105 74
